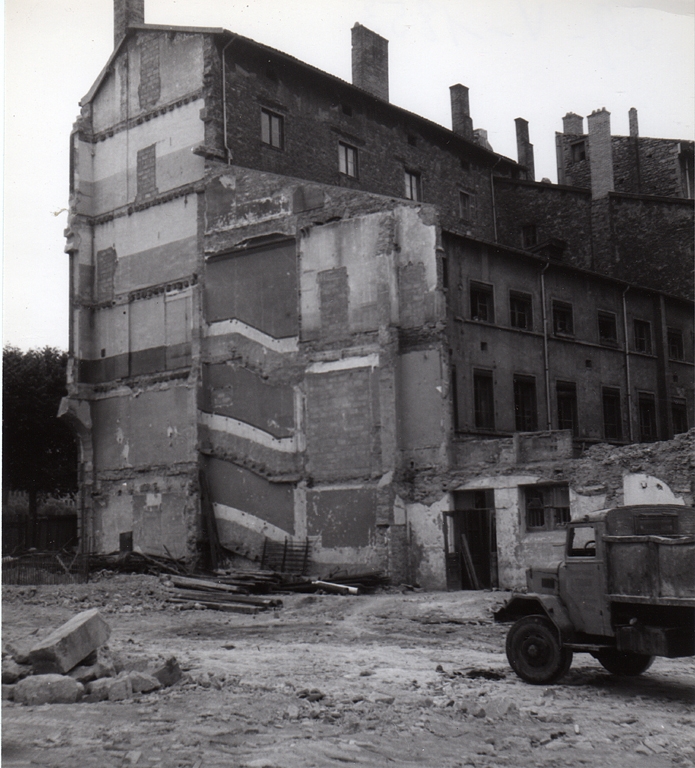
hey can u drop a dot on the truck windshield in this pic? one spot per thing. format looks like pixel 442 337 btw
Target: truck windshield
pixel 581 541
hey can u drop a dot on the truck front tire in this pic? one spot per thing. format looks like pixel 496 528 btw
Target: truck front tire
pixel 534 651
pixel 624 663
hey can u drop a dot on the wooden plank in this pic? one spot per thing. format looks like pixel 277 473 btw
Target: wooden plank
pixel 184 581
pixel 228 607
pixel 468 562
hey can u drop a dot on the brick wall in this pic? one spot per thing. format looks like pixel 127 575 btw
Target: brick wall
pixel 150 86
pixel 147 172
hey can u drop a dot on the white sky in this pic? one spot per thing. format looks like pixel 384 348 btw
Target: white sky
pixel 537 59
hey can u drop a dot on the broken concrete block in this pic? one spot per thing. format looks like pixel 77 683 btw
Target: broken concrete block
pixel 120 689
pixel 19 650
pixel 70 644
pixel 143 683
pixel 169 673
pixel 85 674
pixel 11 671
pixel 47 689
pixel 98 690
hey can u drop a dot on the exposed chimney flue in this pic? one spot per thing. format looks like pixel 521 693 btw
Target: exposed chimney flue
pixel 600 153
pixel 573 124
pixel 125 13
pixel 634 127
pixel 461 122
pixel 524 148
pixel 370 61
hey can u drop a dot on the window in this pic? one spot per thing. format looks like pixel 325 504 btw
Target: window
pixel 482 307
pixel 465 205
pixel 412 186
pixel 529 235
pixel 647 417
pixel 547 506
pixel 675 344
pixel 607 329
pixel 520 311
pixel 347 159
pixel 272 129
pixel 612 418
pixel 484 401
pixel 567 406
pixel 679 414
pixel 643 336
pixel 578 151
pixel 563 323
pixel 526 419
pixel 581 541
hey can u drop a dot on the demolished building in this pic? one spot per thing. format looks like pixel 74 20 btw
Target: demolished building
pixel 325 319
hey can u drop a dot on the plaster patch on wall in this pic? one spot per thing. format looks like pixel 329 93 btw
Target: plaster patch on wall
pixel 426 528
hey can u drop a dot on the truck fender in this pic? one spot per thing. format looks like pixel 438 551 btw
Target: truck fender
pixel 543 605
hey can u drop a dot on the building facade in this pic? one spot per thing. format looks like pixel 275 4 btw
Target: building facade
pixel 322 318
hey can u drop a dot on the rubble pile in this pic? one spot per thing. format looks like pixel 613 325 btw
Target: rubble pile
pixel 73 663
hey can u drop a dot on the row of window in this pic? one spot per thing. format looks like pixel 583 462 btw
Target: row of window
pixel 521 316
pixel 526 412
pixel 273 134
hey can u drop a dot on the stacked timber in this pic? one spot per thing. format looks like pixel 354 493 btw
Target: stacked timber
pixel 216 595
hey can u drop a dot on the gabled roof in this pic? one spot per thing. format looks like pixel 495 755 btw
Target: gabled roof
pixel 224 33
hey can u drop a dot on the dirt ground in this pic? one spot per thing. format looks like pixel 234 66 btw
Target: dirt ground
pixel 395 678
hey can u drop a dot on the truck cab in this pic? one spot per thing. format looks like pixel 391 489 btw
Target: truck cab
pixel 623 592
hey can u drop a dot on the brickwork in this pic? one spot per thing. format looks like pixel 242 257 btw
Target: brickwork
pixel 147 172
pixel 106 270
pixel 370 61
pixel 334 303
pixel 125 13
pixel 600 153
pixel 412 288
pixel 150 87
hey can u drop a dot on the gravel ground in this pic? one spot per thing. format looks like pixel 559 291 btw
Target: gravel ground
pixel 396 678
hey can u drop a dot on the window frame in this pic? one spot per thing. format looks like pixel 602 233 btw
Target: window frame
pixel 413 185
pixel 484 412
pixel 344 152
pixel 523 297
pixel 607 341
pixel 674 339
pixel 465 205
pixel 638 338
pixel 268 119
pixel 522 422
pixel 566 393
pixel 680 407
pixel 614 394
pixel 556 516
pixel 557 307
pixel 483 289
pixel 651 434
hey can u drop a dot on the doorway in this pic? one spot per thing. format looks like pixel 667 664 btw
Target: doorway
pixel 470 541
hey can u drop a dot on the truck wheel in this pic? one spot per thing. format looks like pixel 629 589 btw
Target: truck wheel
pixel 623 662
pixel 534 651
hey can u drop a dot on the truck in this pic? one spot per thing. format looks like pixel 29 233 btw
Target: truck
pixel 623 592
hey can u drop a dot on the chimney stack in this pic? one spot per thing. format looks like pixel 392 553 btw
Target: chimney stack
pixel 573 124
pixel 524 148
pixel 600 153
pixel 461 122
pixel 370 61
pixel 634 128
pixel 125 13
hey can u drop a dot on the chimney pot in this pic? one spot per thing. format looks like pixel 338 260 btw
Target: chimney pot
pixel 370 61
pixel 125 13
pixel 461 122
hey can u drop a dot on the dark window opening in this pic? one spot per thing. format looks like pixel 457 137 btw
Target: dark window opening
pixel 529 235
pixel 526 417
pixel 272 129
pixel 347 159
pixel 578 151
pixel 482 307
pixel 547 506
pixel 520 311
pixel 643 336
pixel 567 406
pixel 484 400
pixel 413 189
pixel 679 414
pixel 563 322
pixel 647 418
pixel 607 329
pixel 445 272
pixel 465 205
pixel 675 344
pixel 612 418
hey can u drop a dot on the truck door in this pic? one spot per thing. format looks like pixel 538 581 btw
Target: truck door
pixel 583 581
